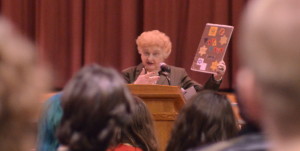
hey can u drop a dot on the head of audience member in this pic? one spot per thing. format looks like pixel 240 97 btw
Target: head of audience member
pixel 22 81
pixel 140 132
pixel 207 118
pixel 269 78
pixel 154 47
pixel 95 103
pixel 248 126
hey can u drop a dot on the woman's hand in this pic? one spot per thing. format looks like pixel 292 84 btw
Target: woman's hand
pixel 147 78
pixel 221 68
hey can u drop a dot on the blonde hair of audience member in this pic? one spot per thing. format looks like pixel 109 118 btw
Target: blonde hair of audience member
pixel 269 79
pixel 22 81
pixel 207 118
pixel 140 131
pixel 96 102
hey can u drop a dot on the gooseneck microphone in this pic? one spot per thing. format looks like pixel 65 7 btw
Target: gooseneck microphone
pixel 165 70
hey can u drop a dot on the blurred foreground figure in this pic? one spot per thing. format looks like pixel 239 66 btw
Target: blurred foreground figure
pixel 269 78
pixel 22 81
pixel 272 87
pixel 139 135
pixel 95 103
pixel 207 118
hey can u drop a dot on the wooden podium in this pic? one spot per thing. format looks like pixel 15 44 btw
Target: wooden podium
pixel 164 103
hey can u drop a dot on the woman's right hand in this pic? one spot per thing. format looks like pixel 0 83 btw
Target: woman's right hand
pixel 147 78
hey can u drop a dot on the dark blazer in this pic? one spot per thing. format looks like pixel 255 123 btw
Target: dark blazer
pixel 177 76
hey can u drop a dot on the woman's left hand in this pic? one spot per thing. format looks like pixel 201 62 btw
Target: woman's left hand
pixel 221 68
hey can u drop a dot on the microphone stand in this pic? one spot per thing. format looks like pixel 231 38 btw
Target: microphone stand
pixel 166 74
pixel 165 70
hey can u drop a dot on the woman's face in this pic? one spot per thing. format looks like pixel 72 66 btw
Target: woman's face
pixel 151 58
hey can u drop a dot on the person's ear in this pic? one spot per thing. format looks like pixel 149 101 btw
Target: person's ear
pixel 248 94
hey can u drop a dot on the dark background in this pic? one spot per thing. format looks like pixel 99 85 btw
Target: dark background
pixel 72 33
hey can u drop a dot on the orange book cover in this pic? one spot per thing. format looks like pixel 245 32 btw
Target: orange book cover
pixel 212 47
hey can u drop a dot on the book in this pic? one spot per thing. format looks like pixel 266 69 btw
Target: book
pixel 212 47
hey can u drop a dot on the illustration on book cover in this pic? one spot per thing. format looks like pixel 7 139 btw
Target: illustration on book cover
pixel 212 47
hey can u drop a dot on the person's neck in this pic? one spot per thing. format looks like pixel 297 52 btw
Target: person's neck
pixel 127 144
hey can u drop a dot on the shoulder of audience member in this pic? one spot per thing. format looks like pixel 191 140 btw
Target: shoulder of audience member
pixel 251 142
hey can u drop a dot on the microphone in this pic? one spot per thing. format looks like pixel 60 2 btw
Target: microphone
pixel 165 70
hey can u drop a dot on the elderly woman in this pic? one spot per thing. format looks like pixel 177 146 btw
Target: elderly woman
pixel 154 47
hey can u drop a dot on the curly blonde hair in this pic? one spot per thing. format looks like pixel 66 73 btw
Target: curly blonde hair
pixel 22 81
pixel 154 38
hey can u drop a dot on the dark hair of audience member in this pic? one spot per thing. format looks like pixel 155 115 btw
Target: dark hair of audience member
pixel 140 132
pixel 95 103
pixel 207 118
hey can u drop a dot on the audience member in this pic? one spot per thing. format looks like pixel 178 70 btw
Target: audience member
pixel 154 47
pixel 95 103
pixel 249 126
pixel 22 81
pixel 269 78
pixel 139 135
pixel 250 137
pixel 207 118
pixel 49 121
